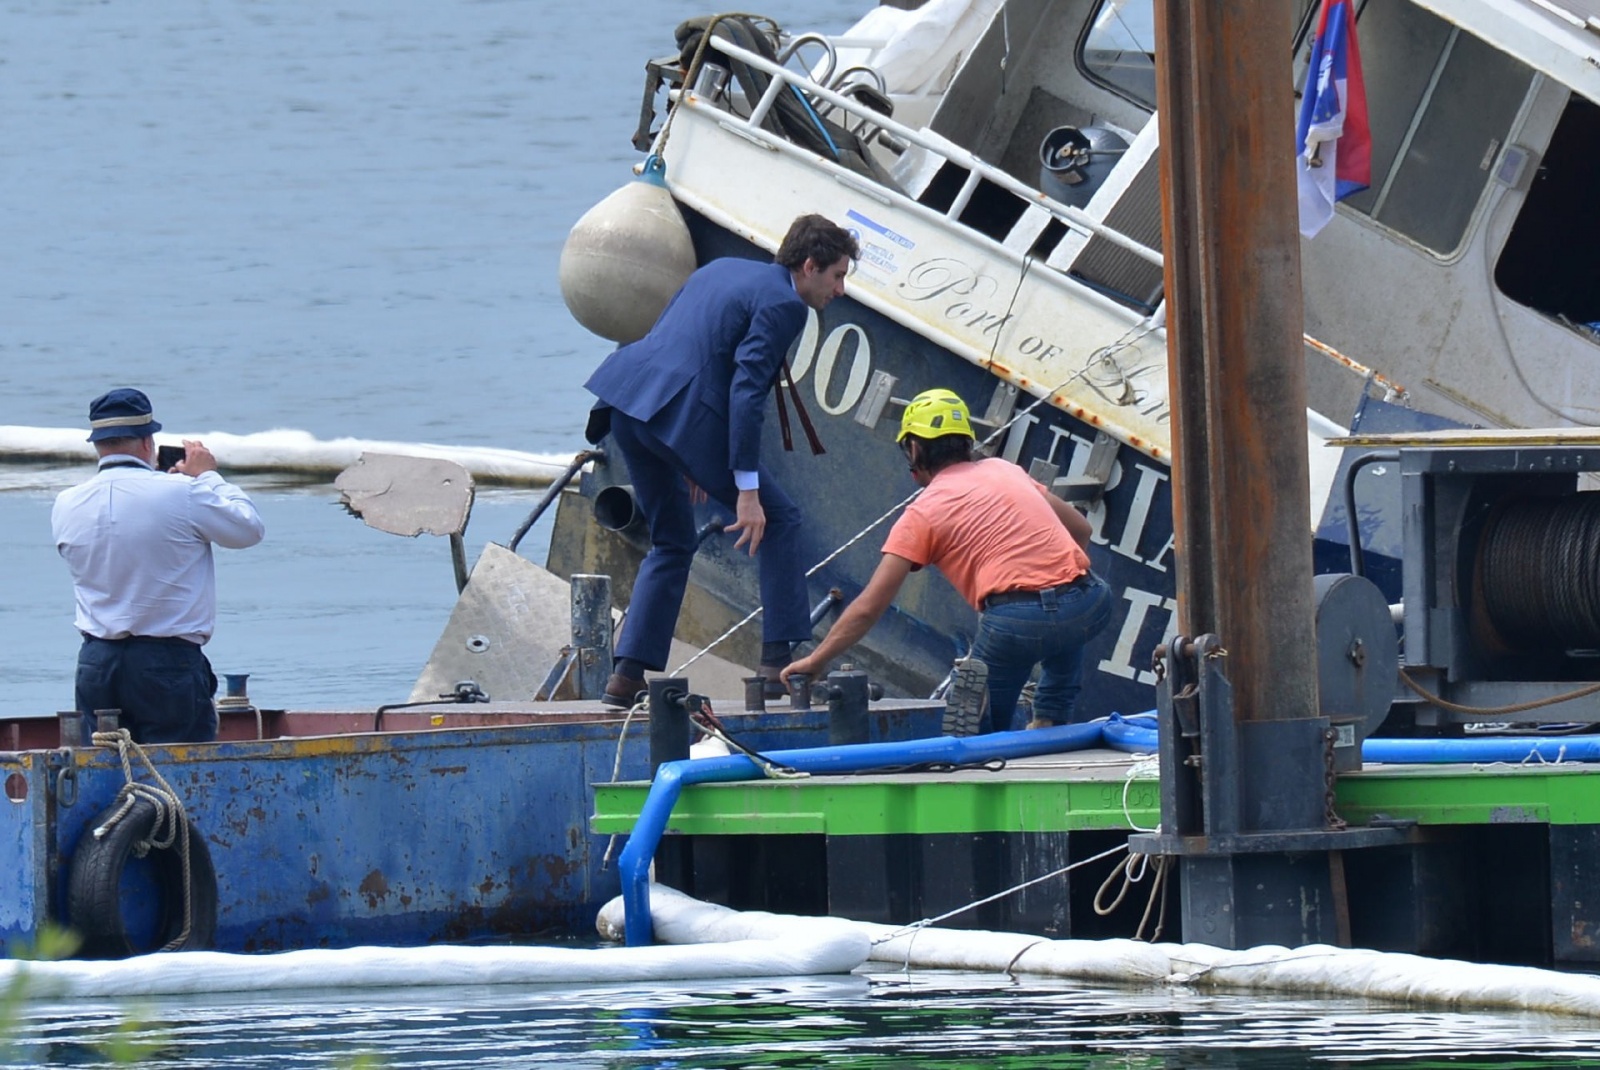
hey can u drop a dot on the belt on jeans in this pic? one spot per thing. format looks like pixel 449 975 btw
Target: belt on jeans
pixel 168 639
pixel 1005 598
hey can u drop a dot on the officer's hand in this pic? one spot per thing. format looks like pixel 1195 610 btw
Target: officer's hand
pixel 751 523
pixel 196 458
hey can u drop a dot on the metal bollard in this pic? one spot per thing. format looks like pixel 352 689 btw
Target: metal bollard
pixel 755 694
pixel 847 707
pixel 107 720
pixel 591 634
pixel 70 729
pixel 234 696
pixel 669 721
pixel 799 691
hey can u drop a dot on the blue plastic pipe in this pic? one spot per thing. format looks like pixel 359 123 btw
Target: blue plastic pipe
pixel 1483 749
pixel 1138 735
pixel 1135 734
pixel 673 777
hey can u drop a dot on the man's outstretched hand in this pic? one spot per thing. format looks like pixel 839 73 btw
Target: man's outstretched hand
pixel 808 665
pixel 751 523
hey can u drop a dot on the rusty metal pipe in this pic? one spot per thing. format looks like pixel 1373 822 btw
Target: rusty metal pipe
pixel 1234 341
pixel 561 481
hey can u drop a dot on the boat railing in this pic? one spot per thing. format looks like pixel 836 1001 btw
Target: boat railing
pixel 978 171
pixel 864 117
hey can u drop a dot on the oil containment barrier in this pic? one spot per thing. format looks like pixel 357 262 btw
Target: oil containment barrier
pixel 803 946
pixel 293 451
pixel 1314 970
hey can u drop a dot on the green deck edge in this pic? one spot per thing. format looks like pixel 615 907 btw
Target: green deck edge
pixel 863 806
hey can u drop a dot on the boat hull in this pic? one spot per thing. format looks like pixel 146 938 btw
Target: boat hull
pixel 862 477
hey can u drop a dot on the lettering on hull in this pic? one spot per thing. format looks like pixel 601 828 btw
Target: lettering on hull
pixel 1131 519
pixel 966 297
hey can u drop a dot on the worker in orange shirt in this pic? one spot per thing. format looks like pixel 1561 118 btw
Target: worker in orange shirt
pixel 1014 551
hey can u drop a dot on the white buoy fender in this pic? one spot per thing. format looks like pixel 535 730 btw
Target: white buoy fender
pixel 625 259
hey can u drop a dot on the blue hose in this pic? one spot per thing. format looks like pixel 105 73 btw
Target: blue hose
pixel 1483 749
pixel 1137 735
pixel 672 777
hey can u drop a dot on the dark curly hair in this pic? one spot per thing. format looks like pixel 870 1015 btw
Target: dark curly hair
pixel 940 453
pixel 816 238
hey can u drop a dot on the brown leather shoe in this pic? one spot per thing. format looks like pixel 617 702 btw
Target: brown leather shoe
pixel 622 691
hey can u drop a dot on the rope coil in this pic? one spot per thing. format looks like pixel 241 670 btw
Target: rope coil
pixel 170 817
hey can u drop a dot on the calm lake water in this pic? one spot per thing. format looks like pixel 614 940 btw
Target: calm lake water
pixel 885 1021
pixel 345 217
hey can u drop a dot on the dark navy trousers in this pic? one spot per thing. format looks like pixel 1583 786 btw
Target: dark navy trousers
pixel 163 687
pixel 658 475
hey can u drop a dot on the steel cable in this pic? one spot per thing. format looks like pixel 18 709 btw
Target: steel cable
pixel 1540 572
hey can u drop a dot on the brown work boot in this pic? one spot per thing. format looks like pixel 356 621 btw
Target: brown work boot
pixel 1041 722
pixel 622 691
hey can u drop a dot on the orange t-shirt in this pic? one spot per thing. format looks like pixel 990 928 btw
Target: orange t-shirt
pixel 987 527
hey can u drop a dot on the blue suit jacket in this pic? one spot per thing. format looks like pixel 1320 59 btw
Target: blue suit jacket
pixel 701 377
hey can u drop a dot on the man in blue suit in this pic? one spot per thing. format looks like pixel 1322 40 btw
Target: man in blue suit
pixel 685 405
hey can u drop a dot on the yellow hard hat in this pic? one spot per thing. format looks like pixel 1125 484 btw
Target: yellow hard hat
pixel 934 413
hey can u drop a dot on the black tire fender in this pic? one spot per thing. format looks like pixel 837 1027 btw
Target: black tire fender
pixel 94 886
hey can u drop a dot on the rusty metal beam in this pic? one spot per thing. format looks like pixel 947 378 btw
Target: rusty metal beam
pixel 1234 326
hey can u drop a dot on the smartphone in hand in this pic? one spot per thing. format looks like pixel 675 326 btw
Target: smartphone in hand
pixel 167 456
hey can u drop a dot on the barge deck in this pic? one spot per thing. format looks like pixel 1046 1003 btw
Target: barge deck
pixel 1497 865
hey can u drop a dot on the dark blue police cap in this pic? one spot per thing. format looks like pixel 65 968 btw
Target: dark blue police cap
pixel 121 413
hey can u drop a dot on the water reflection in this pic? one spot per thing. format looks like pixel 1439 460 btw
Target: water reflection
pixel 932 1020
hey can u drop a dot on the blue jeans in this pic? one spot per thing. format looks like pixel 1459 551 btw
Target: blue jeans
pixel 162 686
pixel 1049 632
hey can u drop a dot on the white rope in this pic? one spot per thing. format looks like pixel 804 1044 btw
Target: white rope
pixel 754 613
pixel 169 814
pixel 616 773
pixel 1133 868
pixel 917 926
pixel 1145 767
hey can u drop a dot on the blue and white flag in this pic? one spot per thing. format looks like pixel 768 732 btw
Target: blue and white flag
pixel 1333 139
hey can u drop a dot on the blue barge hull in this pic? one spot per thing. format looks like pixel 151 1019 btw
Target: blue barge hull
pixel 444 826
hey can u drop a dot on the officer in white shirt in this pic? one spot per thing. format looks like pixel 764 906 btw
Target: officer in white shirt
pixel 138 544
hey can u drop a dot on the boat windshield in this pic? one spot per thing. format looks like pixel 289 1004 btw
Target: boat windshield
pixel 1120 48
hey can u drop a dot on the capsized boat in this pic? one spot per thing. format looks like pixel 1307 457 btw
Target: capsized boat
pixel 999 163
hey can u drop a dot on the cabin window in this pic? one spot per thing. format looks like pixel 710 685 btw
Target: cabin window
pixel 1549 261
pixel 1440 103
pixel 1120 49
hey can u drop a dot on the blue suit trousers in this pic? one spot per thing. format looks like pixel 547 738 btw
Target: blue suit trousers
pixel 658 474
